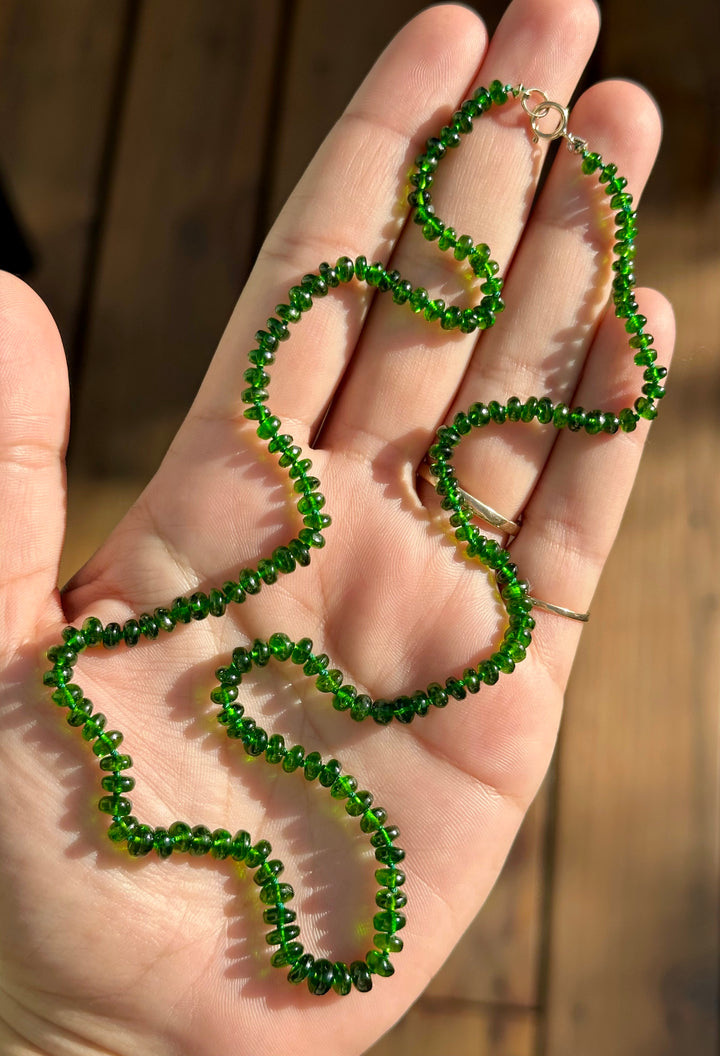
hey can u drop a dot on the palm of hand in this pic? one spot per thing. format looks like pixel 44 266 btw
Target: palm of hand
pixel 389 600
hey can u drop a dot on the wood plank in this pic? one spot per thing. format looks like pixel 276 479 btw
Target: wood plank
pixel 57 69
pixel 438 1028
pixel 179 236
pixel 634 941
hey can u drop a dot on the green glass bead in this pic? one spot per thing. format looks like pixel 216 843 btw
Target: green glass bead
pixel 385 835
pixel 451 318
pixel 116 761
pixel 379 964
pixel 202 841
pixel 92 630
pixel 268 872
pixel 257 854
pixel 391 899
pixel 388 943
pixel 498 411
pixel 437 695
pixel 594 422
pixel 345 269
pixel 121 828
pixel 273 893
pixel 74 639
pixel 434 309
pixel 280 646
pixel 344 697
pixel 316 521
pixel 645 408
pixel 447 239
pixel 241 660
pixel 288 954
pixel 140 841
pixel 163 618
pixel 199 605
pixel 389 855
pixel 79 713
pixel 421 703
pixel 220 844
pixel 342 980
pixel 329 773
pixel 293 758
pixel 514 409
pixel 118 783
pixel 561 416
pixel 224 695
pixel 497 91
pixel 300 552
pixel 383 711
pixel 255 740
pixel 361 707
pixel 302 651
pixel 576 419
pixel 268 428
pixel 390 877
pixel 455 688
pixel 278 915
pixel 301 968
pixel 317 285
pixel 93 726
pixel 163 843
pixel 371 820
pixel 388 921
pixel 107 742
pixel 358 803
pixel 66 696
pixel 312 766
pixel 419 299
pixel 112 634
pixel 250 581
pixel 403 710
pixel 402 292
pixel 361 977
pixel 180 610
pixel 316 665
pixel 181 836
pixel 240 846
pixel 115 805
pixel 320 978
pixel 275 751
pixel 329 681
pixel 282 935
pixel 343 786
pixel 488 672
pixel 267 571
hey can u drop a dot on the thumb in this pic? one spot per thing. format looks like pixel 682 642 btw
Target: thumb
pixel 34 416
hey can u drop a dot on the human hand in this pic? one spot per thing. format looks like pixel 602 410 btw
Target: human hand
pixel 388 598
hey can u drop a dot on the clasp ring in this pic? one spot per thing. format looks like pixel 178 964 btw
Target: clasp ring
pixel 541 111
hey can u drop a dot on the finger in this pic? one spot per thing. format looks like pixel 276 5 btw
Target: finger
pixel 556 293
pixel 406 371
pixel 33 434
pixel 346 204
pixel 575 511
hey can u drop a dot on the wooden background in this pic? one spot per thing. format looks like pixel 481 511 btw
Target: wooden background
pixel 145 147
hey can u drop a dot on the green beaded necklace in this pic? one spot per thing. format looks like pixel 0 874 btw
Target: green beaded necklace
pixel 179 838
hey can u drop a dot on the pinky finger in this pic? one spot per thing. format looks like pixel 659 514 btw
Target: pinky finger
pixel 572 518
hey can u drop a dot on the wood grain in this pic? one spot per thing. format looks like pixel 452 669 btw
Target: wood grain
pixel 633 959
pixel 461 1029
pixel 180 231
pixel 57 73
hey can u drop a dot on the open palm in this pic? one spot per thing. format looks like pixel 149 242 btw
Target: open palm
pixel 106 953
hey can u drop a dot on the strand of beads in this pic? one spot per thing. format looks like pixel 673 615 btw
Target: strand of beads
pixel 139 838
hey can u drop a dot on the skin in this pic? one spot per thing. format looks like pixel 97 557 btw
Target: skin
pixel 106 954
